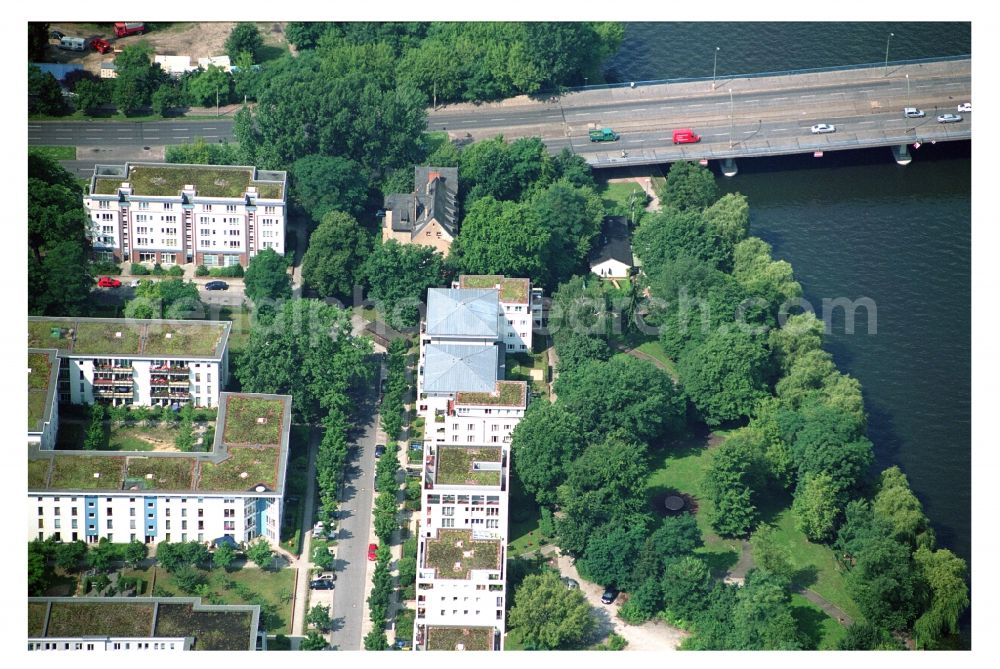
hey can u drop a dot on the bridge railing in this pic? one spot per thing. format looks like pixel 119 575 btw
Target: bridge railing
pixel 775 73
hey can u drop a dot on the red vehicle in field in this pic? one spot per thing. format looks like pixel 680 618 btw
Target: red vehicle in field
pixel 100 45
pixel 686 136
pixel 108 282
pixel 125 29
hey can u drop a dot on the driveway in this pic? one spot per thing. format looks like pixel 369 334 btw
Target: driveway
pixel 652 635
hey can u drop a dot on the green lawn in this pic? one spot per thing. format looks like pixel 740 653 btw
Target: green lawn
pixel 273 588
pixel 239 334
pixel 817 567
pixel 525 514
pixel 681 466
pixel 54 152
pixel 822 631
pixel 655 349
pixel 615 197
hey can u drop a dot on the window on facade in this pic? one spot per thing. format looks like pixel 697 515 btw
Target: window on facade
pixel 143 205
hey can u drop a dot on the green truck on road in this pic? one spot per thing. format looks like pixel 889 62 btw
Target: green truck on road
pixel 604 135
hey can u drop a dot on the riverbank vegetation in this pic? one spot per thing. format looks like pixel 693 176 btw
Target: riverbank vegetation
pixel 790 469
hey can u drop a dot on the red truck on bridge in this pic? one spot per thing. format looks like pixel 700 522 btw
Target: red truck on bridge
pixel 686 136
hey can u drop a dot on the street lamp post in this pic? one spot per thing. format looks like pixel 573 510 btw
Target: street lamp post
pixel 907 90
pixel 216 100
pixel 715 63
pixel 732 119
pixel 887 40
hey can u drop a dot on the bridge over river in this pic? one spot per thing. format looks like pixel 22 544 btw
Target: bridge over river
pixel 737 117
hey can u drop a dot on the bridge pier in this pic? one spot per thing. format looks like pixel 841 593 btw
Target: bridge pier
pixel 729 167
pixel 901 154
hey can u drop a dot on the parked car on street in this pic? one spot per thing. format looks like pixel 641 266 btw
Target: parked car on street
pixel 321 584
pixel 949 118
pixel 379 450
pixel 571 584
pixel 100 45
pixel 371 551
pixel 964 107
pixel 326 576
pixel 108 282
pixel 216 285
pixel 610 595
pixel 822 128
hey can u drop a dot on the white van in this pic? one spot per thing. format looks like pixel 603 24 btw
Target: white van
pixel 73 43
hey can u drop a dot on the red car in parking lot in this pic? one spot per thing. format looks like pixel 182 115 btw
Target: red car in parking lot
pixel 108 282
pixel 371 551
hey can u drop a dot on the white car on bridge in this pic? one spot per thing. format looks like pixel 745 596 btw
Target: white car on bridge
pixel 823 128
pixel 964 107
pixel 949 118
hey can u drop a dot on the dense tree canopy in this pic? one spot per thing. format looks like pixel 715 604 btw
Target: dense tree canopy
pixel 501 237
pixel 689 186
pixel 167 298
pixel 44 93
pixel 59 279
pixel 816 506
pixel 267 277
pixel 724 376
pixel 136 77
pixel 244 38
pixel 306 351
pixel 573 217
pixel 325 183
pixel 736 475
pixel 333 261
pixel 303 111
pixel 623 393
pixel 399 276
pixel 548 616
pixel 545 443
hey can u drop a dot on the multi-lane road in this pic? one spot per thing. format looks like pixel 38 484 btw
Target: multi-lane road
pixel 735 117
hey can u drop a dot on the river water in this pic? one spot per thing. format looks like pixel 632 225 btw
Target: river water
pixel 855 224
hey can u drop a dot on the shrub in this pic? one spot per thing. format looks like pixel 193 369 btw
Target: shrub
pixel 175 270
pixel 231 271
pixel 100 268
pixel 138 269
pixel 158 270
pixel 201 270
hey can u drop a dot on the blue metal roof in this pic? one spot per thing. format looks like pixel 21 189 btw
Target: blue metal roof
pixel 454 367
pixel 463 312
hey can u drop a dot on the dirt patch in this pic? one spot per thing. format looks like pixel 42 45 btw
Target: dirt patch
pixel 195 39
pixel 659 508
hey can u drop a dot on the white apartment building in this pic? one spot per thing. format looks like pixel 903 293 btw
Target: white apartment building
pixel 158 624
pixel 212 215
pixel 43 400
pixel 132 361
pixel 469 412
pixel 520 304
pixel 234 490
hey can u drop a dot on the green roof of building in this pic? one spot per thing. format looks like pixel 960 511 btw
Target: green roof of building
pixel 129 337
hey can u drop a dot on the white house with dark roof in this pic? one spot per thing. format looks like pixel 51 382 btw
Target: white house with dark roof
pixel 612 255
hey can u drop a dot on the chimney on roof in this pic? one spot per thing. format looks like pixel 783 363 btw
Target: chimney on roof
pixel 431 178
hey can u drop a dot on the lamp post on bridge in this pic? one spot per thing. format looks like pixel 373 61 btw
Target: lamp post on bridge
pixel 888 39
pixel 907 90
pixel 715 63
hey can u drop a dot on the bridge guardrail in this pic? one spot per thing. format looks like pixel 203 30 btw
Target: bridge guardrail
pixel 754 75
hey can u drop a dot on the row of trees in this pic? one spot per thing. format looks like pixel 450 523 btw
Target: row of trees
pixel 450 61
pixel 72 556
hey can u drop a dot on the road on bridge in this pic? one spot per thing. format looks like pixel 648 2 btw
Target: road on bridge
pixel 741 116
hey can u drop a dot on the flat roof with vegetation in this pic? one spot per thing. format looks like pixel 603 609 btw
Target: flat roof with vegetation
pixel 168 180
pixel 507 393
pixel 42 376
pixel 511 290
pixel 454 554
pixel 211 627
pixel 455 466
pixel 129 337
pixel 450 638
pixel 246 454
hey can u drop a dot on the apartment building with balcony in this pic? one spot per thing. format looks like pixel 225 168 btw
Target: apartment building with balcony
pixel 469 411
pixel 233 490
pixel 212 215
pixel 158 624
pixel 132 361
